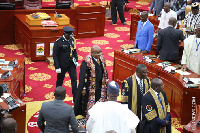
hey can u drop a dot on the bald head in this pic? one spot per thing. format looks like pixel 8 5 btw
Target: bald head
pixel 172 21
pixel 144 16
pixel 9 125
pixel 60 93
pixel 96 51
pixel 141 71
pixel 157 85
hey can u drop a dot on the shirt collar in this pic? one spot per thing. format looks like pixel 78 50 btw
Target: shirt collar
pixel 58 101
pixel 155 92
pixel 137 78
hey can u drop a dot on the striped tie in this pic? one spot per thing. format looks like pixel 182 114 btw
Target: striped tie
pixel 141 87
pixel 160 101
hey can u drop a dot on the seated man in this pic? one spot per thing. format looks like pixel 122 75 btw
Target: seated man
pixel 155 109
pixel 191 54
pixel 166 13
pixel 111 116
pixel 9 125
pixel 57 114
pixel 144 35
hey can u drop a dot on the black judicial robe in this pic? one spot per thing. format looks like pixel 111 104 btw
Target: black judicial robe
pixel 80 105
pixel 151 123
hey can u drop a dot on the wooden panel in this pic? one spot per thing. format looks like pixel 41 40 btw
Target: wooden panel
pixel 87 26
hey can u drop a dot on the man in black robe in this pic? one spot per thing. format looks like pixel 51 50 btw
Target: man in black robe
pixel 133 89
pixel 156 116
pixel 93 80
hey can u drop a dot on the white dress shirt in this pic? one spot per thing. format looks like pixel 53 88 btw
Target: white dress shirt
pixel 164 19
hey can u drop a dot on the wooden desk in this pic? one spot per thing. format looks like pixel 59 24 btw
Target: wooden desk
pixel 190 125
pixel 16 88
pixel 16 81
pixel 89 21
pixel 27 37
pixel 179 97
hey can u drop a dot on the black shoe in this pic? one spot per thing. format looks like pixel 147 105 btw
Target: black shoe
pixel 124 23
pixel 112 23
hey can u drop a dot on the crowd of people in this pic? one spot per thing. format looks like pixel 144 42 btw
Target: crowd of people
pixel 144 107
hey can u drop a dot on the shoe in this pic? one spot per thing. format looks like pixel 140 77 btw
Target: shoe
pixel 112 23
pixel 124 23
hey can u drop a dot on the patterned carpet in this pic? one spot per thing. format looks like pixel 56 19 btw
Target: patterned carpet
pixel 40 78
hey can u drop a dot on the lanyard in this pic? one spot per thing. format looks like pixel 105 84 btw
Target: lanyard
pixel 197 45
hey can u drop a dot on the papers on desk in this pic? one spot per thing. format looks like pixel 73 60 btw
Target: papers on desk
pixel 5 95
pixel 182 72
pixel 6 67
pixel 1 100
pixel 4 62
pixel 195 80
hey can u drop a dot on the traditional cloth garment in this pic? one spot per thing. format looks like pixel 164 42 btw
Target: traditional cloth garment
pixel 131 94
pixel 93 78
pixel 191 54
pixel 179 7
pixel 164 19
pixel 110 115
pixel 155 112
pixel 191 20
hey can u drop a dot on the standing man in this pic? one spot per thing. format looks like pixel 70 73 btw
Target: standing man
pixel 110 115
pixel 93 80
pixel 144 35
pixel 168 42
pixel 166 13
pixel 66 59
pixel 117 5
pixel 156 116
pixel 133 89
pixel 179 7
pixel 57 114
pixel 191 52
pixel 157 5
pixel 192 19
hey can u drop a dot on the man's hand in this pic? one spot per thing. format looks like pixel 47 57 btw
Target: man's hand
pixel 144 51
pixel 159 15
pixel 83 92
pixel 183 68
pixel 167 123
pixel 7 115
pixel 58 70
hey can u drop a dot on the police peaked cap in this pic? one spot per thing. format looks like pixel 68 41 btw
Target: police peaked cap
pixel 68 29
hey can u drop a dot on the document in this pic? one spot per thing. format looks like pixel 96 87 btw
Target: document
pixel 195 80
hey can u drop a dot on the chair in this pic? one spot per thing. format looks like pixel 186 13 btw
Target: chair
pixel 32 4
pixel 7 5
pixel 65 1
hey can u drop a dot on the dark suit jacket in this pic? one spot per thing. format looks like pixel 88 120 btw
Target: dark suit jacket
pixel 168 43
pixel 58 115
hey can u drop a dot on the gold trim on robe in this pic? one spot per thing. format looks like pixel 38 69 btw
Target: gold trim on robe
pixel 151 115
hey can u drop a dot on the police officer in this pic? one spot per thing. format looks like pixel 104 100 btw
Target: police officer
pixel 66 59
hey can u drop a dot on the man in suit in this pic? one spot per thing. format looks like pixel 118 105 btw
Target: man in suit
pixel 156 116
pixel 157 5
pixel 93 80
pixel 9 125
pixel 168 42
pixel 66 59
pixel 57 114
pixel 133 89
pixel 144 35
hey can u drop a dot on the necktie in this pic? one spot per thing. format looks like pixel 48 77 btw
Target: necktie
pixel 141 26
pixel 160 101
pixel 141 87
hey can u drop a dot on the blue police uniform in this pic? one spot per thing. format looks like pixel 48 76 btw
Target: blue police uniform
pixel 64 51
